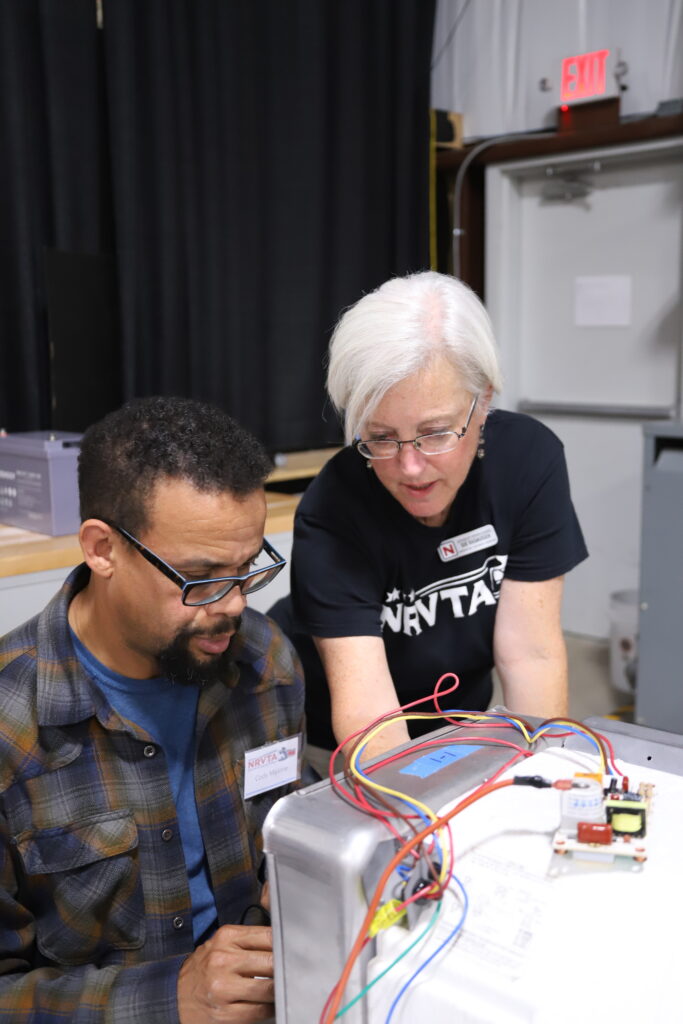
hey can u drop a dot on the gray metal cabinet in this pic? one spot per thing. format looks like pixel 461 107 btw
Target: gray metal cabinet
pixel 659 690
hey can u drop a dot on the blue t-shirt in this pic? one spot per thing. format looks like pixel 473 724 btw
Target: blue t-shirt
pixel 168 713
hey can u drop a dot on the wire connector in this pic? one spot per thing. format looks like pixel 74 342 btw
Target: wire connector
pixel 537 781
pixel 387 915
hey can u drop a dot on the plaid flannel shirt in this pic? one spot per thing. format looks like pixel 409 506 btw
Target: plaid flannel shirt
pixel 95 913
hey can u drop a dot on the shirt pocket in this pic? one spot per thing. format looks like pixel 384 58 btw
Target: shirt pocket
pixel 256 808
pixel 84 887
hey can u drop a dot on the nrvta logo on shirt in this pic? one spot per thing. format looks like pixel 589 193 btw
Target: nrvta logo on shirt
pixel 464 595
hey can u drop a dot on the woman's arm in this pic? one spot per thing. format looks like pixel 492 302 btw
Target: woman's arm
pixel 528 648
pixel 361 689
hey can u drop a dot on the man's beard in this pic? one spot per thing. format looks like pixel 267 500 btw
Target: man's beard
pixel 179 665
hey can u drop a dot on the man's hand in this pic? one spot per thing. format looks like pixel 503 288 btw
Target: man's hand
pixel 229 978
pixel 265 896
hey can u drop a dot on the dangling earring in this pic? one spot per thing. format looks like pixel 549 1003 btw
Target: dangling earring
pixel 481 450
pixel 368 464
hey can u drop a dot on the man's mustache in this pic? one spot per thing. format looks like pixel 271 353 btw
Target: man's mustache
pixel 226 625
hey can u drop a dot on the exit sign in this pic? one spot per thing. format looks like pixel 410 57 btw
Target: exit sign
pixel 587 76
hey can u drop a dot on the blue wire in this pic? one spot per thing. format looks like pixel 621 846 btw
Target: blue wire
pixel 578 732
pixel 565 727
pixel 449 938
pixel 515 725
pixel 405 800
pixel 493 718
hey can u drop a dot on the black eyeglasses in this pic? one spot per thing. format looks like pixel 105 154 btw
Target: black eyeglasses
pixel 198 592
pixel 429 444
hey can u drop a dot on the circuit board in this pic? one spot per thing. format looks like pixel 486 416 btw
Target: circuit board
pixel 603 825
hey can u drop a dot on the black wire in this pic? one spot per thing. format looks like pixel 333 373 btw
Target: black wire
pixel 255 910
pixel 450 35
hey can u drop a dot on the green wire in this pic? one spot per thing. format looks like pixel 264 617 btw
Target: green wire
pixel 364 991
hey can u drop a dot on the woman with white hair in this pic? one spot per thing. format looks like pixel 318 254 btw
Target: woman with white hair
pixel 438 539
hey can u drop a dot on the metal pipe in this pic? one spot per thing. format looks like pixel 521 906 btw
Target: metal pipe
pixel 458 232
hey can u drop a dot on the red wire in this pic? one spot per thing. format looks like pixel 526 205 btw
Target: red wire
pixel 445 820
pixel 357 796
pixel 357 801
pixel 364 806
pixel 404 707
pixel 333 1003
pixel 410 846
pixel 607 741
pixel 443 741
pixel 334 990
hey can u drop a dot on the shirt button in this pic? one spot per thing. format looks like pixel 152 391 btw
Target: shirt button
pixel 167 834
pixel 150 750
pixel 178 923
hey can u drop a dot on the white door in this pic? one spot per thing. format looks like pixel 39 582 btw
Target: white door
pixel 583 282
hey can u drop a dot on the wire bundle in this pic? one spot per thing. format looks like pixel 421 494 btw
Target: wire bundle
pixel 423 864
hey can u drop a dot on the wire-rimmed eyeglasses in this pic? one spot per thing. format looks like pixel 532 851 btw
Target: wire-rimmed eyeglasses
pixel 199 592
pixel 429 444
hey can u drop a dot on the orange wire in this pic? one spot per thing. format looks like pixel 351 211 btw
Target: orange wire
pixel 331 1007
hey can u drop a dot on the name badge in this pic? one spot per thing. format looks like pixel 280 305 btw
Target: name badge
pixel 275 764
pixel 467 543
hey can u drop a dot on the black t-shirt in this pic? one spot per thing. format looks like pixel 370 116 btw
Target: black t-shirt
pixel 363 566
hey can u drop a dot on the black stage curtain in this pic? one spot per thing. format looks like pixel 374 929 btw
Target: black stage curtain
pixel 51 192
pixel 269 164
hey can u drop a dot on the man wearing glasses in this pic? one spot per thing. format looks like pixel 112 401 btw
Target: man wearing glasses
pixel 135 707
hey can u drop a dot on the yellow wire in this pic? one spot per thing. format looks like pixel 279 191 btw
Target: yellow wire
pixel 416 716
pixel 385 789
pixel 429 813
pixel 409 716
pixel 473 716
pixel 442 833
pixel 491 716
pixel 575 726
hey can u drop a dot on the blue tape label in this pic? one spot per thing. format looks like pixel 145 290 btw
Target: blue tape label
pixel 435 760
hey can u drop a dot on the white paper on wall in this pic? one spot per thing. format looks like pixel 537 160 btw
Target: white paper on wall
pixel 603 301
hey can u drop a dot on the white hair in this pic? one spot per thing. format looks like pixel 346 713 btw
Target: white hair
pixel 394 331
